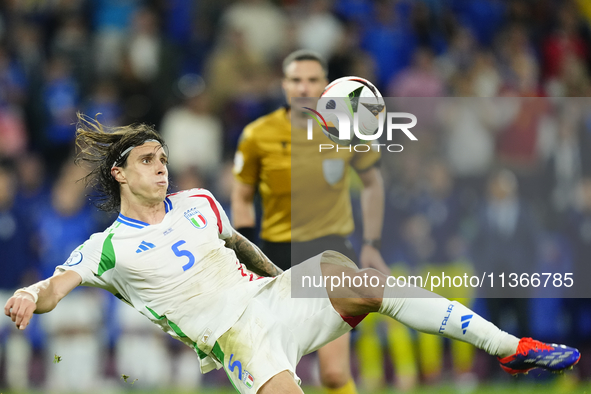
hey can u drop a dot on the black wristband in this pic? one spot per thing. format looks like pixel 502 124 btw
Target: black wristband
pixel 376 243
pixel 249 233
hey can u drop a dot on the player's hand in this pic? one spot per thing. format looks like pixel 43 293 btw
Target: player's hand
pixel 20 308
pixel 370 257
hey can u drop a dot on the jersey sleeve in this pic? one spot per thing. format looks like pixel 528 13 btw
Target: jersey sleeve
pixel 362 161
pixel 223 223
pixel 246 160
pixel 87 259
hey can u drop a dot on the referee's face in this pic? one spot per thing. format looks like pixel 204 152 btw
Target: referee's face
pixel 304 78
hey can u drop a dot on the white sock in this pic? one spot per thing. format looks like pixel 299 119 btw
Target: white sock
pixel 427 312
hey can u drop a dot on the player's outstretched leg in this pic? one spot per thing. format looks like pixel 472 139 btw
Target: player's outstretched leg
pixel 453 320
pixel 535 354
pixel 427 312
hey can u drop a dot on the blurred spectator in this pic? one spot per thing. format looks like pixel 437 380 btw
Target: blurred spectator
pixel 111 20
pixel 29 51
pixel 419 80
pixel 482 17
pixel 319 30
pixel 233 72
pixel 189 178
pixel 578 232
pixel 194 136
pixel 389 40
pixel 349 59
pixel 60 100
pixel 517 143
pixel 179 19
pixel 427 29
pixel 71 42
pixel 485 76
pixel 470 127
pixel 13 133
pixel 585 134
pixel 74 329
pixel 189 26
pixel 105 100
pixel 514 47
pixel 563 167
pixel 18 269
pixel 74 335
pixel 459 56
pixel 523 77
pixel 33 190
pixel 506 241
pixel 141 350
pixel 438 241
pixel 262 24
pixel 573 80
pixel 15 234
pixel 564 42
pixel 149 69
pixel 67 222
pixel 442 206
pixel 13 84
pixel 357 11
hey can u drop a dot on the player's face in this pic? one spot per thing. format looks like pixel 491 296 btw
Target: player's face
pixel 146 174
pixel 304 78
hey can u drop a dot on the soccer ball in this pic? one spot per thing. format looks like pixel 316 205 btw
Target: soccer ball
pixel 352 97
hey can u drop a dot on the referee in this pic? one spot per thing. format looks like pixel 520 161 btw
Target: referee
pixel 320 196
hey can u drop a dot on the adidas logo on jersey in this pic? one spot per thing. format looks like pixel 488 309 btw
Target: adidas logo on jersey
pixel 144 246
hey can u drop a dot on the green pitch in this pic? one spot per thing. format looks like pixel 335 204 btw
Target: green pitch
pixel 557 386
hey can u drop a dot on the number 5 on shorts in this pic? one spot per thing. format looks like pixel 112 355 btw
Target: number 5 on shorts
pixel 181 253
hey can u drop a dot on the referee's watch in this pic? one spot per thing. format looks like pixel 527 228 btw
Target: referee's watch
pixel 376 243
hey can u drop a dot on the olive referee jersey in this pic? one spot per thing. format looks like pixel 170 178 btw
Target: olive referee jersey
pixel 312 185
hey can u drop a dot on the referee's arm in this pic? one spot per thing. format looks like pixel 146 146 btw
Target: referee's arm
pixel 243 215
pixel 372 206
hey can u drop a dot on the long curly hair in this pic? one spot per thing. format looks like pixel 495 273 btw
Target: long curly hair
pixel 102 148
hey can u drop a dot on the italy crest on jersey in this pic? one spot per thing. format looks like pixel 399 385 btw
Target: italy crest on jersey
pixel 196 218
pixel 247 379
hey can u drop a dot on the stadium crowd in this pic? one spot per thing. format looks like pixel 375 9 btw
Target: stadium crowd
pixel 512 192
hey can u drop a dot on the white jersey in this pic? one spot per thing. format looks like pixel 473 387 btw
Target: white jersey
pixel 178 273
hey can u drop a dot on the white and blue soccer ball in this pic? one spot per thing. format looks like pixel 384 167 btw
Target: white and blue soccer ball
pixel 350 96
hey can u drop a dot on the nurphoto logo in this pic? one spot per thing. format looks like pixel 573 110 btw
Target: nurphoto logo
pixel 340 131
pixel 351 110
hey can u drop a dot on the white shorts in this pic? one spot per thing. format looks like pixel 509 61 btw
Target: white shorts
pixel 274 333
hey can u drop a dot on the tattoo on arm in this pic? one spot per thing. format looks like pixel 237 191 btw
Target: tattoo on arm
pixel 251 256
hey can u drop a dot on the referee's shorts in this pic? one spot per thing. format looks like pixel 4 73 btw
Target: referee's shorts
pixel 287 254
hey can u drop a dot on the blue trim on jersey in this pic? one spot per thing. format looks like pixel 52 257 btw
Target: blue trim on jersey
pixel 167 205
pixel 131 222
pixel 128 224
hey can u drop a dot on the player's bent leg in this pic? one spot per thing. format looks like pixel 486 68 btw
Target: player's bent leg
pixel 350 300
pixel 283 382
pixel 335 367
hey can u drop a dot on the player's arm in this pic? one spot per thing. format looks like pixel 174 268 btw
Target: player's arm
pixel 251 256
pixel 41 297
pixel 372 206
